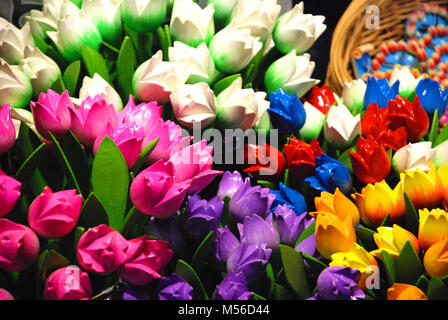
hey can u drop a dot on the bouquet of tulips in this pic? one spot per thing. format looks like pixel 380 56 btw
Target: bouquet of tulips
pixel 111 188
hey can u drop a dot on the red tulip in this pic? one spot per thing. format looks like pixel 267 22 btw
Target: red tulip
pixel 322 98
pixel 300 157
pixel 412 116
pixel 265 162
pixel 370 163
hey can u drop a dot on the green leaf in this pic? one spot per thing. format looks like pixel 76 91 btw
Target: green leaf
pixel 423 283
pixel 41 44
pixel 126 64
pixel 286 178
pixel 48 261
pixel 71 76
pixel 412 220
pixel 30 165
pixel 110 181
pixel 306 233
pixel 188 274
pixel 408 267
pixel 294 270
pixel 386 221
pixel 282 293
pixel 266 184
pixel 94 62
pixel 443 136
pixel 434 127
pixel 58 85
pixel 92 213
pixel 225 216
pixel 143 156
pixel 163 41
pixel 258 297
pixel 317 265
pixel 201 254
pixel 437 290
pixel 65 164
pixel 222 84
pixel 271 276
pixel 365 236
pixel 389 266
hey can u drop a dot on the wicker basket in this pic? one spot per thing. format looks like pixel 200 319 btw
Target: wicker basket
pixel 351 37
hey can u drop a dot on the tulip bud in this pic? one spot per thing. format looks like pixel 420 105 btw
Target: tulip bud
pixel 337 204
pixel 333 234
pixel 291 73
pixel 101 250
pixel 435 261
pixel 379 92
pixel 19 246
pixel 97 85
pixel 297 31
pixel 7 131
pixel 431 97
pixel 40 22
pixel 143 15
pixel 403 291
pixel 286 111
pixel 13 41
pixel 194 103
pixel 229 184
pixel 412 116
pixel 256 230
pixel 392 240
pixel 106 16
pixel 15 86
pixel 191 24
pixel 433 227
pixel 174 288
pixel 341 128
pixel 155 79
pixel 233 49
pixel 68 283
pixel 9 193
pixel 5 295
pixel 54 215
pixel 223 10
pixel 407 81
pixel 198 62
pixel 323 98
pixel 418 155
pixel 353 95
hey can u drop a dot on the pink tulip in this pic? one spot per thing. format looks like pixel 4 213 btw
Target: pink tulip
pixel 145 259
pixel 68 283
pixel 143 115
pixel 51 113
pixel 193 164
pixel 7 131
pixel 5 295
pixel 19 246
pixel 128 138
pixel 9 193
pixel 54 215
pixel 91 119
pixel 155 192
pixel 101 250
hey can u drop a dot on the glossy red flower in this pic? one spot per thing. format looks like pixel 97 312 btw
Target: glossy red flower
pixel 371 162
pixel 412 116
pixel 322 98
pixel 300 157
pixel 265 162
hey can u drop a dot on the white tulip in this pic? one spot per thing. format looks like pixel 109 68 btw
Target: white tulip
pixel 257 16
pixel 223 10
pixel 240 108
pixel 297 31
pixel 314 122
pixel 441 154
pixel 198 61
pixel 353 95
pixel 155 79
pixel 13 41
pixel 15 86
pixel 418 155
pixel 408 82
pixel 191 24
pixel 41 69
pixel 341 127
pixel 291 73
pixel 106 16
pixel 233 49
pixel 98 86
pixel 143 16
pixel 194 103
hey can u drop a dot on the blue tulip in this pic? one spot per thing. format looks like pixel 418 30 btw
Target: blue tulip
pixel 290 197
pixel 431 97
pixel 379 92
pixel 287 112
pixel 329 175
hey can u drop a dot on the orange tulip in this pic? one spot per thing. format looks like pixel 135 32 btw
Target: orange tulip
pixel 403 291
pixel 435 260
pixel 392 240
pixel 433 227
pixel 337 204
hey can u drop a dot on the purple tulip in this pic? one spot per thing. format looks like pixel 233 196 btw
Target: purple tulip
pixel 232 287
pixel 51 113
pixel 229 184
pixel 248 201
pixel 308 246
pixel 175 288
pixel 257 231
pixel 225 243
pixel 168 230
pixel 338 283
pixel 202 216
pixel 91 119
pixel 130 293
pixel 249 259
pixel 7 131
pixel 9 193
pixel 290 225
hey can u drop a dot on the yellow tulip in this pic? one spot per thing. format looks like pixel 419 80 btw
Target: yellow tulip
pixel 337 204
pixel 392 240
pixel 356 258
pixel 435 260
pixel 433 227
pixel 424 189
pixel 403 291
pixel 377 200
pixel 333 234
pixel 443 175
